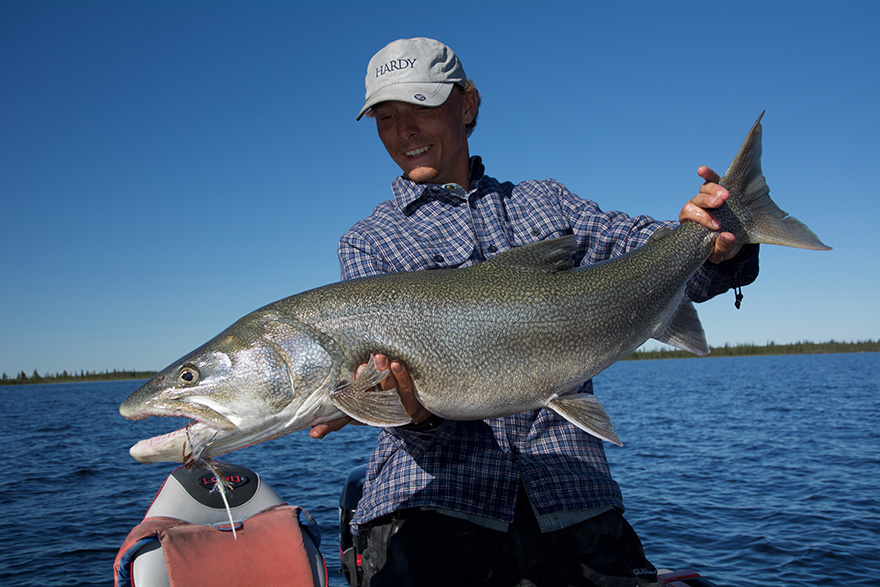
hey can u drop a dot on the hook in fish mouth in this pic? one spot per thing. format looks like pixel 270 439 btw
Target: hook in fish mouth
pixel 197 455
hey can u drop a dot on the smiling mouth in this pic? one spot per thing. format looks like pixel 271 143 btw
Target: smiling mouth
pixel 417 152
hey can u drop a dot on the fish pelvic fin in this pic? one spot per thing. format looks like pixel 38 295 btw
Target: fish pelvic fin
pixel 750 214
pixel 685 331
pixel 359 400
pixel 585 411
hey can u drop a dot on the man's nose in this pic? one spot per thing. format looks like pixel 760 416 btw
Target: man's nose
pixel 407 127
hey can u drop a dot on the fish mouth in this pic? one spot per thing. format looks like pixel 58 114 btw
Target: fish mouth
pixel 174 446
pixel 178 446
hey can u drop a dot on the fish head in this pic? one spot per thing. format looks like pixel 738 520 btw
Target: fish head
pixel 248 384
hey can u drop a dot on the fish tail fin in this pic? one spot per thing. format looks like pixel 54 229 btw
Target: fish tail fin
pixel 585 411
pixel 750 214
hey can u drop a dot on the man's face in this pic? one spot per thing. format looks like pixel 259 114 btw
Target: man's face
pixel 428 144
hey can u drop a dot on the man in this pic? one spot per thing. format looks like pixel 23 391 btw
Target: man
pixel 527 499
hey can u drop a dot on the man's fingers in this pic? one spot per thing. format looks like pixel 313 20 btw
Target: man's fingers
pixel 400 380
pixel 693 211
pixel 726 247
pixel 322 430
pixel 708 174
pixel 382 365
pixel 407 394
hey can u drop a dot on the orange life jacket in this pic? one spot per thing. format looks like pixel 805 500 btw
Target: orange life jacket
pixel 268 549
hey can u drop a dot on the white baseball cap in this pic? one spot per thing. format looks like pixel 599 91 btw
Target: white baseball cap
pixel 417 71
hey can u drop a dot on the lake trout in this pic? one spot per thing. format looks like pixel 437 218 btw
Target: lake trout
pixel 518 332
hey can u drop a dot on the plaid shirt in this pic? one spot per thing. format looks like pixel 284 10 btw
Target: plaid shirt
pixel 473 469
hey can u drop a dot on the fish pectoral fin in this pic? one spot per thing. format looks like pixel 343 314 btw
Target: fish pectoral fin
pixel 685 331
pixel 365 404
pixel 376 408
pixel 585 411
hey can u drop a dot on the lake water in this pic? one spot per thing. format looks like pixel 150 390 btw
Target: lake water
pixel 753 471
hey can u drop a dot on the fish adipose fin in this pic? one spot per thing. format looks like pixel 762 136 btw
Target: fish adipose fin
pixel 359 400
pixel 750 214
pixel 685 331
pixel 585 411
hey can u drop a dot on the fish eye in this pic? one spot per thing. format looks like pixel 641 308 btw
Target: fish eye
pixel 188 375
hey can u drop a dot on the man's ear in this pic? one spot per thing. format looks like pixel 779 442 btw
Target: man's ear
pixel 469 106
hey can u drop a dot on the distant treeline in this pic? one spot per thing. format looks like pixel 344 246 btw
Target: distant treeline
pixel 747 350
pixel 65 377
pixel 739 350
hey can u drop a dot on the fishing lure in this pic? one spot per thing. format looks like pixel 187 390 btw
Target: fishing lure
pixel 196 459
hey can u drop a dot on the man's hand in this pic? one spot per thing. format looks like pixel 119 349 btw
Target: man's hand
pixel 711 196
pixel 399 379
pixel 322 430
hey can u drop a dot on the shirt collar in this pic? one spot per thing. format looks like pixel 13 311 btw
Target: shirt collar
pixel 406 192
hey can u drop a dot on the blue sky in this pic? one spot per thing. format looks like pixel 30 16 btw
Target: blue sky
pixel 167 167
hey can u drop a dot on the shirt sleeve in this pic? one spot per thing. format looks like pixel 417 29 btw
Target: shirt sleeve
pixel 358 258
pixel 713 279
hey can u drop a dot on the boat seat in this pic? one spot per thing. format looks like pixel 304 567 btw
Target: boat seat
pixel 188 497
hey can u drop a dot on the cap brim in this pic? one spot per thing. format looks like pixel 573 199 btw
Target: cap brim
pixel 421 94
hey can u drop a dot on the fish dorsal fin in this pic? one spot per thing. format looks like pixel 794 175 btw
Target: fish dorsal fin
pixel 550 255
pixel 660 233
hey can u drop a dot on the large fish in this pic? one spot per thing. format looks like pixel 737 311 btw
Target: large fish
pixel 518 332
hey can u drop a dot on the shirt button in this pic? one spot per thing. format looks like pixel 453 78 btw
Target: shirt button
pixel 536 231
pixel 438 258
pixel 492 248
